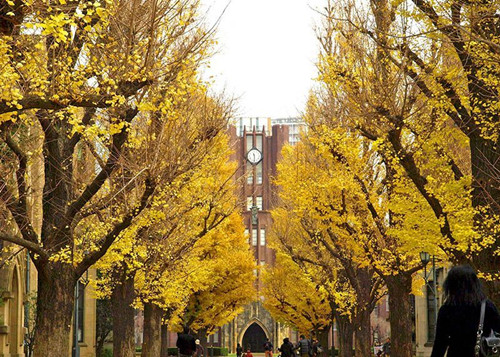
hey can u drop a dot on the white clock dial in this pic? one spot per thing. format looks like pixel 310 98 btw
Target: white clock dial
pixel 254 156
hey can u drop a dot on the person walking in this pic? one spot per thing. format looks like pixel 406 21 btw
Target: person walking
pixel 304 347
pixel 386 347
pixel 458 318
pixel 286 348
pixel 200 351
pixel 268 348
pixel 186 344
pixel 316 347
pixel 239 350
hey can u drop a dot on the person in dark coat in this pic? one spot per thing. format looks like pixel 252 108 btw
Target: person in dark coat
pixel 286 348
pixel 186 344
pixel 304 347
pixel 239 350
pixel 458 318
pixel 200 351
pixel 268 348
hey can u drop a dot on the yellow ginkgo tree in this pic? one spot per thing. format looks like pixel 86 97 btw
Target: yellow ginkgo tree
pixel 78 79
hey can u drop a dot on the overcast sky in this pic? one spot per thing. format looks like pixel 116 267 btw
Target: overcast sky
pixel 267 53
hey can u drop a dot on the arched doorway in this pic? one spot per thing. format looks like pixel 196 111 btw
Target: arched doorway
pixel 254 338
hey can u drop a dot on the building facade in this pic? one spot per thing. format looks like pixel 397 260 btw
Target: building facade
pixel 257 149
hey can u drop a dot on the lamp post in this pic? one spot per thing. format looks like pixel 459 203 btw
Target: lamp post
pixel 425 257
pixel 76 345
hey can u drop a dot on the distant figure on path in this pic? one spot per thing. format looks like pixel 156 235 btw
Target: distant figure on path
pixel 286 348
pixel 186 344
pixel 248 354
pixel 316 347
pixel 458 318
pixel 200 351
pixel 268 348
pixel 304 347
pixel 386 348
pixel 239 351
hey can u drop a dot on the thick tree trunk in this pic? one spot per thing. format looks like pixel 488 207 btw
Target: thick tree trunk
pixel 203 337
pixel 151 345
pixel 362 335
pixel 55 302
pixel 323 341
pixel 346 332
pixel 164 341
pixel 399 288
pixel 486 195
pixel 122 298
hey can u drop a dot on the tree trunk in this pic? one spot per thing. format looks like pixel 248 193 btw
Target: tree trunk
pixel 486 195
pixel 362 335
pixel 55 302
pixel 323 341
pixel 399 288
pixel 203 337
pixel 122 298
pixel 151 345
pixel 346 332
pixel 164 341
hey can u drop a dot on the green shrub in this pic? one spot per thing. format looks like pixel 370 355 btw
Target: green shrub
pixel 217 351
pixel 106 353
pixel 172 351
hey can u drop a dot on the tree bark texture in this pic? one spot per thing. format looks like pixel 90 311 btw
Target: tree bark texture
pixel 122 298
pixel 55 302
pixel 323 341
pixel 151 345
pixel 362 334
pixel 346 332
pixel 399 288
pixel 164 341
pixel 203 337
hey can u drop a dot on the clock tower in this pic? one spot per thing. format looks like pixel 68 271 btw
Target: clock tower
pixel 257 149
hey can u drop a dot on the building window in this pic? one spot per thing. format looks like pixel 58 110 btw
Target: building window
pixel 255 272
pixel 262 262
pixel 254 237
pixel 262 237
pixel 216 337
pixel 249 142
pixel 249 203
pixel 258 143
pixel 247 235
pixel 81 306
pixel 259 202
pixel 250 176
pixel 258 170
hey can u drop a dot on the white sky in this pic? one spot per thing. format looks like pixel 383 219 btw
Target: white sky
pixel 267 54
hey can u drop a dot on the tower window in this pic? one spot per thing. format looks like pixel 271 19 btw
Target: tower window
pixel 259 202
pixel 249 203
pixel 258 170
pixel 258 143
pixel 254 237
pixel 262 237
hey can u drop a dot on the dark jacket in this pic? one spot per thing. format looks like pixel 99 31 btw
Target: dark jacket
pixel 286 348
pixel 200 351
pixel 457 327
pixel 304 346
pixel 268 346
pixel 239 350
pixel 186 344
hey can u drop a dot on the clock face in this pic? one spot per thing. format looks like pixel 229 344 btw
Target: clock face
pixel 254 156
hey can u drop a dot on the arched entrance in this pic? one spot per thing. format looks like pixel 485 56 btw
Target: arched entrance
pixel 254 338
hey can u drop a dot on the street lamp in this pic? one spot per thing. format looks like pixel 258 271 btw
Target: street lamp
pixel 425 258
